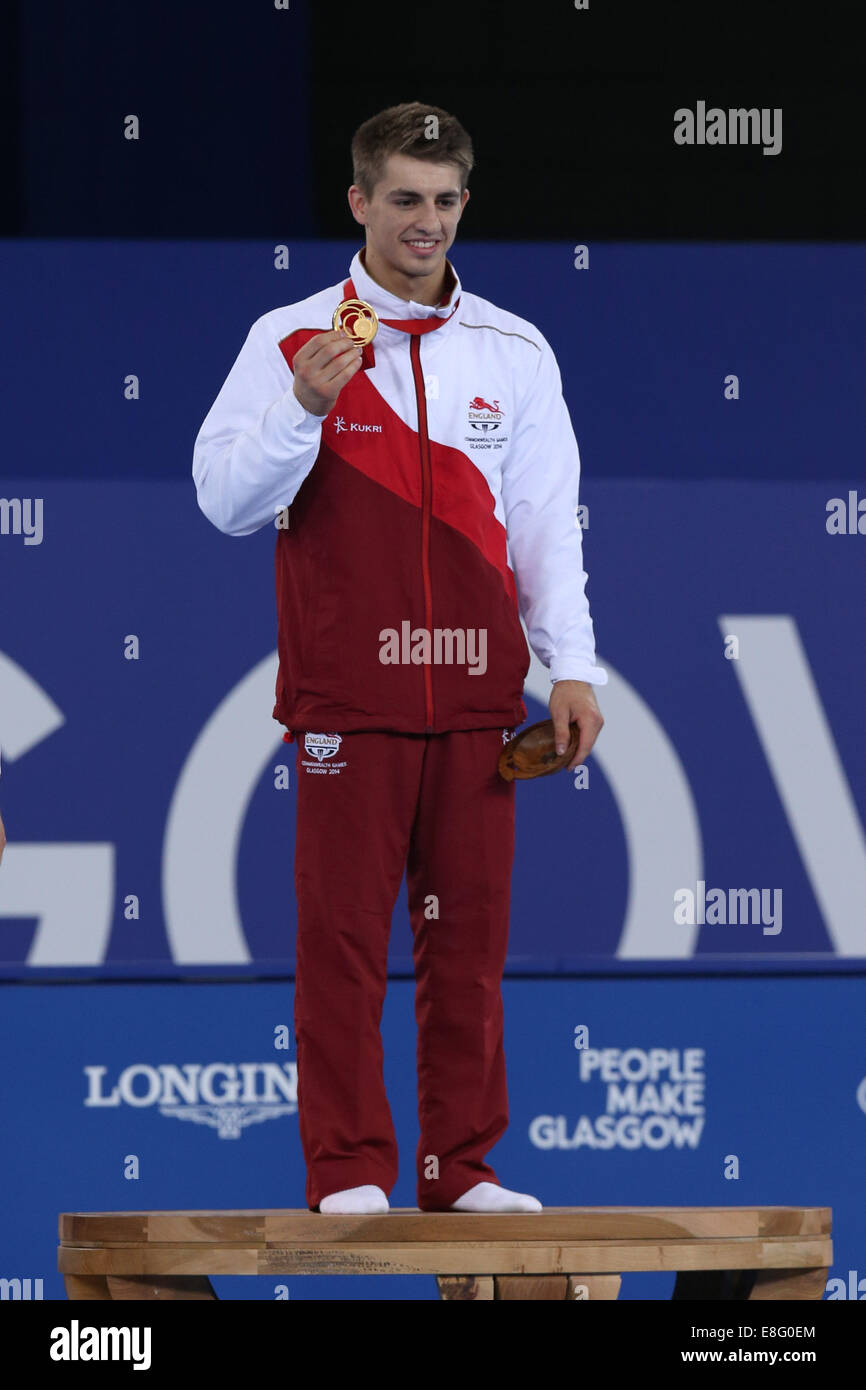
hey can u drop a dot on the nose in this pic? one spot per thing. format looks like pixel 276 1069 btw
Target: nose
pixel 429 223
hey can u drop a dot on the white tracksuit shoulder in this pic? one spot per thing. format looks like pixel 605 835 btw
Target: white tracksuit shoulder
pixel 521 340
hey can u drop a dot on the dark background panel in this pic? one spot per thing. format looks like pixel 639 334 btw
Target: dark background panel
pixel 221 94
pixel 247 113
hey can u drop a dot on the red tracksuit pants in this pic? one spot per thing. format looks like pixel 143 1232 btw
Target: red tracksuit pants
pixel 435 806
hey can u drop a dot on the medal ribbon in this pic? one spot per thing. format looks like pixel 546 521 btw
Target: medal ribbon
pixel 428 325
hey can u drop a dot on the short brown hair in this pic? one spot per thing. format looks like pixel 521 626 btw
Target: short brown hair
pixel 403 130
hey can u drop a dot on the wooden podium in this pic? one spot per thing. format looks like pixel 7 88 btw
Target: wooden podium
pixel 577 1253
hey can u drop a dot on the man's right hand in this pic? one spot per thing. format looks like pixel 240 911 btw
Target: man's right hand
pixel 322 367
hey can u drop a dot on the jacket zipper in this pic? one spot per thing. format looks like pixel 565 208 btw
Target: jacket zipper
pixel 426 508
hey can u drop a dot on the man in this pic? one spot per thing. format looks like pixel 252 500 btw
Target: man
pixel 406 465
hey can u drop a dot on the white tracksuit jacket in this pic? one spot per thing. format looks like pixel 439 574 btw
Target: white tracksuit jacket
pixel 431 506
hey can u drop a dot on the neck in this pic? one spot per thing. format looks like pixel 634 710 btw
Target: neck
pixel 423 289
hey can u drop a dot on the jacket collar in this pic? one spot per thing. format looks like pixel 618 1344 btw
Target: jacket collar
pixel 404 315
pixel 393 310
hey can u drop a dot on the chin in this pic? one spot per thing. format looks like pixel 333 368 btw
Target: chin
pixel 426 262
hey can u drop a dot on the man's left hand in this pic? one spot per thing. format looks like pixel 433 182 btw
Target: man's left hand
pixel 574 702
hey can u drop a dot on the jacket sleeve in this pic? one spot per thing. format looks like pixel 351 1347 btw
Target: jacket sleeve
pixel 540 486
pixel 257 443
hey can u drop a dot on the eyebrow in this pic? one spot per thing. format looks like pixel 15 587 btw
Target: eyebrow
pixel 413 193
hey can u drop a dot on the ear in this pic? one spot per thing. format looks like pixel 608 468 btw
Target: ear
pixel 358 204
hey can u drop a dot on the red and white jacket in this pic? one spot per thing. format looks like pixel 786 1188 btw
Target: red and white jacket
pixel 438 494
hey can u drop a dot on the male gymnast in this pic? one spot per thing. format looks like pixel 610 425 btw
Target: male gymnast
pixel 424 490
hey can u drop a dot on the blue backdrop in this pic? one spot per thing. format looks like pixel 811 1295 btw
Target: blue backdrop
pixel 716 396
pixel 152 776
pixel 151 827
pixel 778 1082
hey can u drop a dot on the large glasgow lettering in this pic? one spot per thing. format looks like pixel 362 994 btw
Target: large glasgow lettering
pixel 69 888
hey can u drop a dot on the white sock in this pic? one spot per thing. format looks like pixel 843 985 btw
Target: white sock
pixel 367 1200
pixel 488 1196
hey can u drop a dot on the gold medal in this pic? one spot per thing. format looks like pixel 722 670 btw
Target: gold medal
pixel 357 318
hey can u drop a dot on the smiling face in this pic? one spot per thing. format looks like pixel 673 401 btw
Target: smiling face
pixel 411 221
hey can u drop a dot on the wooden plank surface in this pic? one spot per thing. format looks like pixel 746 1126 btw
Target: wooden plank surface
pixel 86 1286
pixel 779 1284
pixel 459 1258
pixel 561 1224
pixel 136 1287
pixel 513 1287
pixel 583 1288
pixel 455 1288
